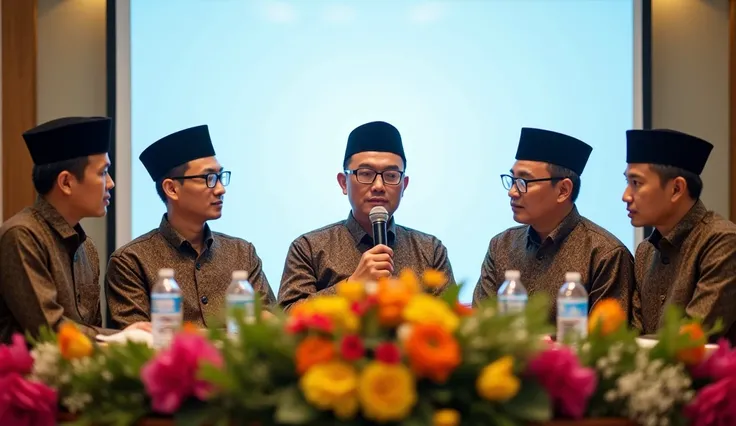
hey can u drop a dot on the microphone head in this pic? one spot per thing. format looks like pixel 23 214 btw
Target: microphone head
pixel 378 214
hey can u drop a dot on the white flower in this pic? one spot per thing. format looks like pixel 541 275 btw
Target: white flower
pixel 46 358
pixel 76 402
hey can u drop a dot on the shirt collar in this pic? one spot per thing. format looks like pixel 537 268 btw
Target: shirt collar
pixel 360 236
pixel 677 235
pixel 74 234
pixel 175 239
pixel 558 234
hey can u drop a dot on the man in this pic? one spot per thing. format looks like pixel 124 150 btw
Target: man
pixel 191 182
pixel 50 269
pixel 554 238
pixel 373 175
pixel 689 260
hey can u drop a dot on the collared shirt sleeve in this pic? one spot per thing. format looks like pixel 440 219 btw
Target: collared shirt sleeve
pixel 487 284
pixel 442 263
pixel 257 278
pixel 32 298
pixel 299 280
pixel 613 279
pixel 715 290
pixel 127 291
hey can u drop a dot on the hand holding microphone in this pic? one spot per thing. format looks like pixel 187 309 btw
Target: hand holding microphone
pixel 378 261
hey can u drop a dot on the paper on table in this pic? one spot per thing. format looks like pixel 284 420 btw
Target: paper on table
pixel 134 335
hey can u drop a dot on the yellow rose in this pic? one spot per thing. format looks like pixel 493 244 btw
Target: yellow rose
pixel 387 392
pixel 72 343
pixel 351 290
pixel 433 278
pixel 332 386
pixel 426 309
pixel 497 382
pixel 409 279
pixel 337 308
pixel 446 417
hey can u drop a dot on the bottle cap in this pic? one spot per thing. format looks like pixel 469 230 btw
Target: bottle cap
pixel 166 273
pixel 513 275
pixel 240 275
pixel 573 276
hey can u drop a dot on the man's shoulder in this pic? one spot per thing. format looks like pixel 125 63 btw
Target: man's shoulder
pixel 511 234
pixel 600 237
pixel 416 234
pixel 151 240
pixel 26 221
pixel 324 231
pixel 228 240
pixel 717 225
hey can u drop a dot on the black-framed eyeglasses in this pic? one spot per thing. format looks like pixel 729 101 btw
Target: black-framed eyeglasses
pixel 367 176
pixel 522 184
pixel 210 178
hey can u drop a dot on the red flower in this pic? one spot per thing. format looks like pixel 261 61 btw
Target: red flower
pixel 360 307
pixel 302 323
pixel 352 348
pixel 388 353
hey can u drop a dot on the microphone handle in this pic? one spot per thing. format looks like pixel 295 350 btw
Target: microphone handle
pixel 380 233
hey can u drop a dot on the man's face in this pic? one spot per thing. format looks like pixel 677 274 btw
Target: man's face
pixel 192 196
pixel 385 190
pixel 90 196
pixel 540 198
pixel 647 200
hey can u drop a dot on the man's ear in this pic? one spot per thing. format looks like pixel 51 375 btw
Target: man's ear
pixel 170 189
pixel 564 188
pixel 342 180
pixel 64 182
pixel 679 188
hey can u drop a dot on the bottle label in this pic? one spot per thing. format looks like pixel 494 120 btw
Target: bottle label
pixel 509 304
pixel 166 318
pixel 572 319
pixel 240 305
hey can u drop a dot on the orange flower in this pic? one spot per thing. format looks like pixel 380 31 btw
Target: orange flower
pixel 72 343
pixel 409 279
pixel 694 355
pixel 432 351
pixel 463 310
pixel 392 297
pixel 189 327
pixel 433 278
pixel 312 351
pixel 609 314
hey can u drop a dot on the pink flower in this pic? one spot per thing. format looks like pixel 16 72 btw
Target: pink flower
pixel 171 376
pixel 714 405
pixel 388 353
pixel 568 383
pixel 719 365
pixel 26 403
pixel 352 348
pixel 14 358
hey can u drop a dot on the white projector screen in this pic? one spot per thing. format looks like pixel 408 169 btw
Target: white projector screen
pixel 282 83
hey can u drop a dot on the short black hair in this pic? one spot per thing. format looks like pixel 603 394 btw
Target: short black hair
pixel 667 173
pixel 44 176
pixel 563 172
pixel 176 171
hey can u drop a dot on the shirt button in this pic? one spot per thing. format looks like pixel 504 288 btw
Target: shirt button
pixel 540 257
pixel 79 298
pixel 662 298
pixel 205 300
pixel 666 260
pixel 76 257
pixel 198 266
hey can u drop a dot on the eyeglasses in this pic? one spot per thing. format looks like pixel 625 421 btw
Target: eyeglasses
pixel 521 183
pixel 210 178
pixel 367 176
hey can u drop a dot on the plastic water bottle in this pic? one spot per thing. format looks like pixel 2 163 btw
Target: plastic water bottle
pixel 512 296
pixel 240 295
pixel 166 308
pixel 572 309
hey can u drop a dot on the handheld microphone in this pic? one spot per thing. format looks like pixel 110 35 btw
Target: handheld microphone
pixel 379 220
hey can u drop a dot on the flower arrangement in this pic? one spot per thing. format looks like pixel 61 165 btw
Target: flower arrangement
pixel 378 353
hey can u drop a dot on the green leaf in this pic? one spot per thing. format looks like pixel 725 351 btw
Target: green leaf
pixel 293 409
pixel 443 396
pixel 195 413
pixel 450 295
pixel 532 403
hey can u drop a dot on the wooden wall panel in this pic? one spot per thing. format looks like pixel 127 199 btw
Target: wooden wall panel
pixel 18 101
